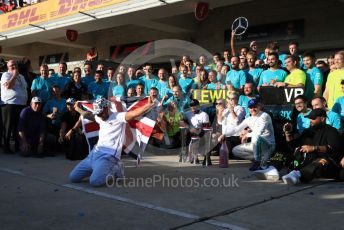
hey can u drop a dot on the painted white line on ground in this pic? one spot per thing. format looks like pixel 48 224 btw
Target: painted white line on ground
pixel 224 225
pixel 154 207
pixel 132 202
pixel 12 171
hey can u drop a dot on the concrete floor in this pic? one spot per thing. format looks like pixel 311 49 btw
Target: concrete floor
pixel 36 194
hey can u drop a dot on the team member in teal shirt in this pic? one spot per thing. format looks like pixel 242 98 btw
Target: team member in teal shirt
pixel 253 74
pixel 249 94
pixel 332 118
pixel 87 78
pixel 179 99
pixel 61 78
pixel 40 86
pixel 236 77
pixel 272 75
pixel 149 80
pixel 98 88
pixel 119 89
pixel 162 83
pixel 314 77
pixel 185 82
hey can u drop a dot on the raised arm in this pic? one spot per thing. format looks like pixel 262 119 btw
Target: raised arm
pixel 140 111
pixel 233 43
pixel 85 114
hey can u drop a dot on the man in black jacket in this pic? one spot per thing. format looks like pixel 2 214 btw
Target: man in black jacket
pixel 318 150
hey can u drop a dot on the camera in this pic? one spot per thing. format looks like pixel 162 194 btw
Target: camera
pixel 287 127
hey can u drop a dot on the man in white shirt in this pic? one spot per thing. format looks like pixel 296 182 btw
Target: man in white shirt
pixel 14 98
pixel 196 121
pixel 258 127
pixel 104 159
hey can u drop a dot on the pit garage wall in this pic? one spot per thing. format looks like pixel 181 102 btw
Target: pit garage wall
pixel 323 29
pixel 323 22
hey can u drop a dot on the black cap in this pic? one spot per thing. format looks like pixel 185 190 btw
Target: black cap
pixel 316 113
pixel 194 102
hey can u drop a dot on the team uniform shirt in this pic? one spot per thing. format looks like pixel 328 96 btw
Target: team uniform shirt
pixel 236 78
pixel 87 79
pixel 17 95
pixel 162 88
pixel 221 78
pixel 185 84
pixel 333 119
pixel 228 123
pixel 97 90
pixel 41 87
pixel 61 109
pixel 261 126
pixel 133 83
pixel 338 107
pixel 243 101
pixel 296 77
pixel 303 122
pixel 197 120
pixel 253 75
pixel 59 80
pixel 314 77
pixel 334 87
pixel 119 90
pixel 182 104
pixel 111 134
pixel 149 83
pixel 278 75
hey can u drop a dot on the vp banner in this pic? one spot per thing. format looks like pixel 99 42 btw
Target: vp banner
pixel 269 95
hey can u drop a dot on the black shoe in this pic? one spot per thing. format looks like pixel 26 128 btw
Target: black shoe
pixel 197 161
pixel 255 166
pixel 209 162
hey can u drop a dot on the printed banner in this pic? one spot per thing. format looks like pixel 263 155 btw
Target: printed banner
pixel 49 10
pixel 269 95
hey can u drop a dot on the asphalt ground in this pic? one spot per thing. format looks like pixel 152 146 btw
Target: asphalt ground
pixel 161 194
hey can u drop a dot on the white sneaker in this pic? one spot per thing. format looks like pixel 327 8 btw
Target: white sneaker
pixel 292 178
pixel 270 173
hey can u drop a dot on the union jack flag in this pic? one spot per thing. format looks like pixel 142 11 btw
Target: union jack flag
pixel 137 132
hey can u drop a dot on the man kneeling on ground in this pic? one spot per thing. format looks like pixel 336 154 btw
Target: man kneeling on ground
pixel 104 159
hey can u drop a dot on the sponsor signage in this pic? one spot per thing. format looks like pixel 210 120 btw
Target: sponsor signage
pixel 49 10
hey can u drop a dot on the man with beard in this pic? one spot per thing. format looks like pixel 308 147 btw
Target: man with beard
pixel 273 74
pixel 314 76
pixel 318 150
pixel 248 95
pixel 253 74
pixel 236 77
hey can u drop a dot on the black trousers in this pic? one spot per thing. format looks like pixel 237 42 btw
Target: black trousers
pixel 311 168
pixel 10 118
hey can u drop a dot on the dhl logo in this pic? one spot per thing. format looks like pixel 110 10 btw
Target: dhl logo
pixel 50 10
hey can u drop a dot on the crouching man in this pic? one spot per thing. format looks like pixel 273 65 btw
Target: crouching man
pixel 104 159
pixel 31 127
pixel 257 137
pixel 318 150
